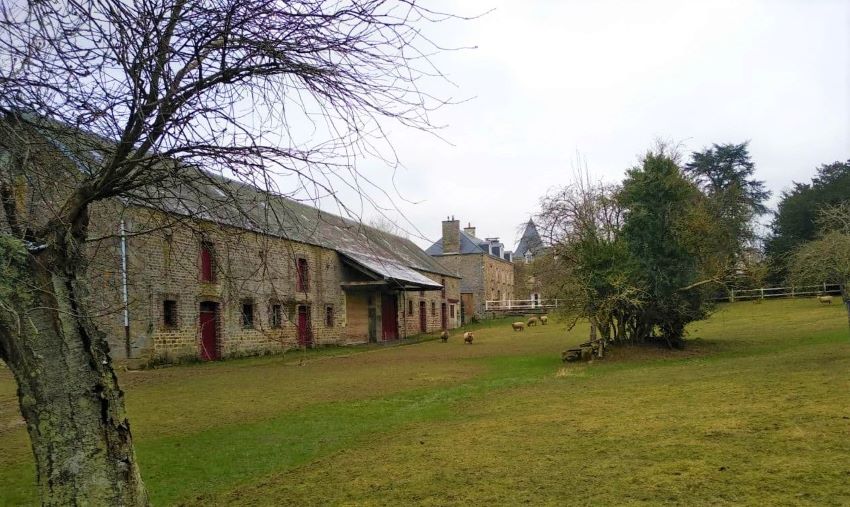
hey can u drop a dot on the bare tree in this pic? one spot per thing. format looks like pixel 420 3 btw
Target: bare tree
pixel 252 89
pixel 827 258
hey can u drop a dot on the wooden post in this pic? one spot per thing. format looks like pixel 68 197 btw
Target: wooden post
pixel 732 296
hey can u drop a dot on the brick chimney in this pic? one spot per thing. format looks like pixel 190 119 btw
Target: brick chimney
pixel 470 230
pixel 451 235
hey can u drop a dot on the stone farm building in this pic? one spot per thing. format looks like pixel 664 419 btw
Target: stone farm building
pixel 484 266
pixel 221 269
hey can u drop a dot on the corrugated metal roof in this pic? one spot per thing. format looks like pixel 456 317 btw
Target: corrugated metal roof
pixel 391 270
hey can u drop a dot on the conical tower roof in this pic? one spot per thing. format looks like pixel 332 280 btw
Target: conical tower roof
pixel 530 241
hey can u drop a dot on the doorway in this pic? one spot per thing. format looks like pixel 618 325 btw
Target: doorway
pixel 389 317
pixel 423 318
pixel 208 323
pixel 305 335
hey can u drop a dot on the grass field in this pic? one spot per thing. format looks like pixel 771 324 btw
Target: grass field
pixel 756 410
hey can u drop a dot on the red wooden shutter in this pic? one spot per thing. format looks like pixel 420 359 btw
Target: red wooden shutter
pixel 207 272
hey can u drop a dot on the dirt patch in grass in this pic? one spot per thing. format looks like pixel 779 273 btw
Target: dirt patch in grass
pixel 656 351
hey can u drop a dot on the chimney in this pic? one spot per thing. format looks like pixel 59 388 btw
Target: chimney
pixel 451 235
pixel 470 230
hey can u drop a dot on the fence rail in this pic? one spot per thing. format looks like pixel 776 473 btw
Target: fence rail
pixel 780 292
pixel 510 305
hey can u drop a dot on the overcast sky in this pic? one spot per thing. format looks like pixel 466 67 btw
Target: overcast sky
pixel 550 79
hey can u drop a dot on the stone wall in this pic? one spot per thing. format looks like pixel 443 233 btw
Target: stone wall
pixel 164 263
pixel 410 305
pixel 498 279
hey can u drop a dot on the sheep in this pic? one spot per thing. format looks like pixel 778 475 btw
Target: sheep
pixel 518 326
pixel 467 337
pixel 827 300
pixel 444 336
pixel 544 319
pixel 532 321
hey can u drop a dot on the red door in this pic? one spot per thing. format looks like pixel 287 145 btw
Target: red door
pixel 389 317
pixel 444 320
pixel 209 338
pixel 423 317
pixel 305 338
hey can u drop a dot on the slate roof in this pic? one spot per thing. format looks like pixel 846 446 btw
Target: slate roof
pixel 211 197
pixel 530 241
pixel 233 203
pixel 469 244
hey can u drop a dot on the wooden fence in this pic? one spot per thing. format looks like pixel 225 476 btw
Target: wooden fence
pixel 520 305
pixel 780 292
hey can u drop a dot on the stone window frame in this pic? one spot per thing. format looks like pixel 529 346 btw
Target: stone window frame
pixel 330 315
pixel 162 308
pixel 409 307
pixel 433 308
pixel 276 318
pixel 247 320
pixel 451 310
pixel 302 281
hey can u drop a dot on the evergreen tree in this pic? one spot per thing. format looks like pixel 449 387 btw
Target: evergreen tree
pixel 794 222
pixel 724 173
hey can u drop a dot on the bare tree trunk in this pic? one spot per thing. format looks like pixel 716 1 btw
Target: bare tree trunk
pixel 67 389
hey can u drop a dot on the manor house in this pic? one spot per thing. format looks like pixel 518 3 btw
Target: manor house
pixel 485 268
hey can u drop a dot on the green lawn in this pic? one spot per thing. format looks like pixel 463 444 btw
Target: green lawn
pixel 755 411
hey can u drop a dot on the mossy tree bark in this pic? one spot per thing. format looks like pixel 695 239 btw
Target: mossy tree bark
pixel 68 391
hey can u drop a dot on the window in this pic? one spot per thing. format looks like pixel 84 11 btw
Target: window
pixel 329 316
pixel 452 311
pixel 302 275
pixel 207 262
pixel 409 307
pixel 443 290
pixel 433 308
pixel 276 316
pixel 169 313
pixel 247 314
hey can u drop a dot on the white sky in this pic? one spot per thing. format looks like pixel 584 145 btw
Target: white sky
pixel 550 79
